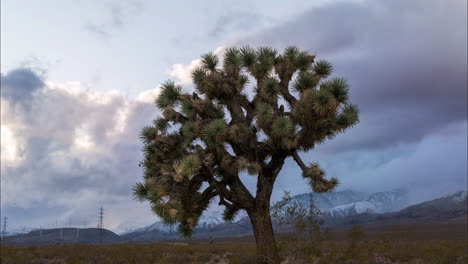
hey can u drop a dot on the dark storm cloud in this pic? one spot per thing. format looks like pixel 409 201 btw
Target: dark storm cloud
pixel 20 84
pixel 406 62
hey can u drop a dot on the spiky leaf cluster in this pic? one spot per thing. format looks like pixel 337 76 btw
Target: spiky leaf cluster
pixel 169 95
pixel 316 177
pixel 251 110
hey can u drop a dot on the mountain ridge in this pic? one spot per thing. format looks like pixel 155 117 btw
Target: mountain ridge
pixel 243 227
pixel 325 202
pixel 67 235
pixel 450 208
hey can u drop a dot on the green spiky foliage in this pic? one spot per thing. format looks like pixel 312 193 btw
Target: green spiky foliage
pixel 252 109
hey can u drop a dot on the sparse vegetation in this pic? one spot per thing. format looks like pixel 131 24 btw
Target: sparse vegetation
pixel 306 241
pixel 369 251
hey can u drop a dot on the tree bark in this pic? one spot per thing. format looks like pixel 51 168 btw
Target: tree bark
pixel 267 251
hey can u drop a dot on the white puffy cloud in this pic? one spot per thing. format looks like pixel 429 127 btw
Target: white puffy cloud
pixel 72 148
pixel 183 72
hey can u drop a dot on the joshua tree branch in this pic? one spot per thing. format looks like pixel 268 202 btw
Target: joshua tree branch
pixel 299 161
pixel 284 84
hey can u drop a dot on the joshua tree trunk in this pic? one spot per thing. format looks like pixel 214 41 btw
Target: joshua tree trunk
pixel 267 252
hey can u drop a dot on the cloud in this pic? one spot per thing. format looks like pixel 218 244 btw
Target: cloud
pixel 20 85
pixel 71 148
pixel 406 64
pixel 182 73
pixel 235 22
pixel 99 31
pixel 430 168
pixel 405 61
pixel 118 14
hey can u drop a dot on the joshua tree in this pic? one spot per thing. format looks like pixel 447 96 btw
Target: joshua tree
pixel 203 142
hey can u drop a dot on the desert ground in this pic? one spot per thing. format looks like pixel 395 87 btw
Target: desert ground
pixel 422 243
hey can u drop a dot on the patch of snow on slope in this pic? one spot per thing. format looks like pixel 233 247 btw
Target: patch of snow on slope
pixel 459 196
pixel 381 202
pixel 352 209
pixel 325 201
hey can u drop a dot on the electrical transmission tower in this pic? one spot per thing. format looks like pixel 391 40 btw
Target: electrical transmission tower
pixel 4 231
pixel 100 223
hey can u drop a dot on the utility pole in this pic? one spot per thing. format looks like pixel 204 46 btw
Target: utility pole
pixel 100 223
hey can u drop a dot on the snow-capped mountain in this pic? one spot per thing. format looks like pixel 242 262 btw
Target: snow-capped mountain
pixel 326 201
pixel 458 197
pixel 156 226
pixel 338 208
pixel 344 203
pixel 208 220
pixel 381 202
pixel 335 204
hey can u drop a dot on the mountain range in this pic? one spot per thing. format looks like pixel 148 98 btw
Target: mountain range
pixel 346 203
pixel 338 209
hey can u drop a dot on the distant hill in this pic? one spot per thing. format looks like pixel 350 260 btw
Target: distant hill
pixel 239 228
pixel 64 236
pixel 357 208
pixel 339 210
pixel 340 203
pixel 443 209
pixel 449 206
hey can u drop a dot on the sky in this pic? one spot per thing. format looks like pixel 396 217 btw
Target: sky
pixel 79 78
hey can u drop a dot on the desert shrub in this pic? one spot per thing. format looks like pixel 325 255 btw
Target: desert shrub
pixel 306 241
pixel 243 259
pixel 354 248
pixel 332 251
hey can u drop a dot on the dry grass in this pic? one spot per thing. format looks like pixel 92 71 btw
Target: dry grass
pixel 127 253
pixel 367 251
pixel 371 245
